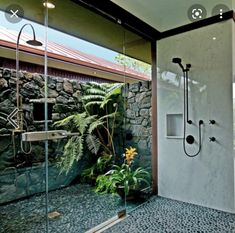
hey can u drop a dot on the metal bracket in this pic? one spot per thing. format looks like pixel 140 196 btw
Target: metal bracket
pixel 46 135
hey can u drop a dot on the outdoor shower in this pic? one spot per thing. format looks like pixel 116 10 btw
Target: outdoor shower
pixel 32 42
pixel 189 138
pixel 18 111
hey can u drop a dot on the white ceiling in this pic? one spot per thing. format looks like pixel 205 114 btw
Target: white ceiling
pixel 167 14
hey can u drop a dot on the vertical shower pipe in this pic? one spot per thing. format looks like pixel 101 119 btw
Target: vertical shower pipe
pixel 154 158
pixel 46 115
pixel 125 89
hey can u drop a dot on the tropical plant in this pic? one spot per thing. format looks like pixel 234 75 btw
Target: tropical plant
pixel 124 176
pixel 94 127
pixel 99 167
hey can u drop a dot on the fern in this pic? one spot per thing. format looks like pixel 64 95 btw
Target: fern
pixel 93 143
pixel 73 151
pixel 94 125
pixel 98 118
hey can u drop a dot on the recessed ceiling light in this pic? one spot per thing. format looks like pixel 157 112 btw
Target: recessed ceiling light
pixel 214 38
pixel 49 5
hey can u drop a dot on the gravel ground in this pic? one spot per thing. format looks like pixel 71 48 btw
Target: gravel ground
pixel 80 209
pixel 161 215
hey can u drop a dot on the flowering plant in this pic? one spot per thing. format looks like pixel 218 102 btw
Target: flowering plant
pixel 124 176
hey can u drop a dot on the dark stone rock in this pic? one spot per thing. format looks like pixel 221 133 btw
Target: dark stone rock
pixel 130 95
pixel 75 85
pixel 3 83
pixel 142 144
pixel 140 96
pixel 12 82
pixel 135 87
pixel 59 87
pixel 58 79
pixel 6 73
pixel 131 100
pixel 39 152
pixel 52 93
pixel 5 93
pixel 30 89
pixel 130 114
pixel 35 176
pixel 66 95
pixel 21 181
pixel 7 193
pixel 5 142
pixel 68 87
pixel 28 76
pixel 52 85
pixel 145 122
pixel 7 106
pixel 9 171
pixel 55 116
pixel 144 112
pixel 62 99
pixel 137 121
pixel 38 79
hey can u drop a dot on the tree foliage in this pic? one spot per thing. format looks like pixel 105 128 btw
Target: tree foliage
pixel 134 64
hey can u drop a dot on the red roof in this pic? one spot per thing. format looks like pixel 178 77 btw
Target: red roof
pixel 8 38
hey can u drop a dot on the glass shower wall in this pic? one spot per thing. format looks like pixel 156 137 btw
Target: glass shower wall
pixel 137 130
pixel 86 95
pixel 22 174
pixel 208 178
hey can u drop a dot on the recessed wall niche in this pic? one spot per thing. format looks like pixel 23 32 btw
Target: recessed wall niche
pixel 38 109
pixel 174 125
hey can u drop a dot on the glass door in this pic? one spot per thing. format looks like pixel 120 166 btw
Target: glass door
pixel 84 92
pixel 22 162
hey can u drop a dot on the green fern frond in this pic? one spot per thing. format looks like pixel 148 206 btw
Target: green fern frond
pixel 65 122
pixel 93 103
pixel 93 143
pixel 73 151
pixel 96 91
pixel 111 115
pixel 92 97
pixel 94 125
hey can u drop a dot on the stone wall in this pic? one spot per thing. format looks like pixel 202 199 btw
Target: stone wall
pixel 22 174
pixel 18 183
pixel 62 93
pixel 137 125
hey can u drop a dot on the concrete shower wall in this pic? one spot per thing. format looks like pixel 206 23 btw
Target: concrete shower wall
pixel 207 179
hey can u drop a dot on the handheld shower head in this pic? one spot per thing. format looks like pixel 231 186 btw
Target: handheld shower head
pixel 178 60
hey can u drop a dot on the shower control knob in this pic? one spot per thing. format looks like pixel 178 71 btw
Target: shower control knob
pixel 212 122
pixel 212 139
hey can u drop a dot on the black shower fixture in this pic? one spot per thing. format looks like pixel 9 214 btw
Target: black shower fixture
pixel 190 138
pixel 185 71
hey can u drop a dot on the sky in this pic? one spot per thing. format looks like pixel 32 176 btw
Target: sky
pixel 60 38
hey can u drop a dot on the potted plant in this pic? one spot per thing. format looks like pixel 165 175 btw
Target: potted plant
pixel 124 180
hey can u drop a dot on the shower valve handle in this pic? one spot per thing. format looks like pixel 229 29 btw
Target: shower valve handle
pixel 212 139
pixel 212 122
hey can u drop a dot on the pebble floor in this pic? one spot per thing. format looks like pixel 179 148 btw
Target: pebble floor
pixel 168 216
pixel 81 209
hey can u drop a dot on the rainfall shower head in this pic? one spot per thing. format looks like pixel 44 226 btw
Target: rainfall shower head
pixel 178 60
pixel 34 42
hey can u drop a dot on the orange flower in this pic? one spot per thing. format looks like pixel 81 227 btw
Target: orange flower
pixel 130 154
